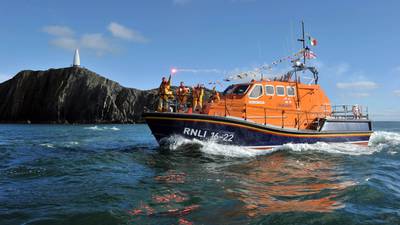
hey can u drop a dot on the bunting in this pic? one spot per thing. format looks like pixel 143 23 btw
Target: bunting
pixel 267 67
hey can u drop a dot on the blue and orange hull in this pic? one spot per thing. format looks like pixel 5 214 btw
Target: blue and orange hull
pixel 234 131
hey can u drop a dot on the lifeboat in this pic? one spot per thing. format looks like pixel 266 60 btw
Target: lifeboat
pixel 266 113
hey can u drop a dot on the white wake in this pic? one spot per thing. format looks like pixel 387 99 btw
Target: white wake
pixel 101 128
pixel 378 141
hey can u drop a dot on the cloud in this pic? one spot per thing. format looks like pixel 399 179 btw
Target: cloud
pixel 357 85
pixel 360 95
pixel 65 43
pixel 65 38
pixel 120 31
pixel 56 30
pixel 397 92
pixel 96 42
pixel 181 2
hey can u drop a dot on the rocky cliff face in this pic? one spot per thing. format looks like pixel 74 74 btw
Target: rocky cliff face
pixel 70 95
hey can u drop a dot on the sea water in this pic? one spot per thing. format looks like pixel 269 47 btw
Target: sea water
pixel 117 174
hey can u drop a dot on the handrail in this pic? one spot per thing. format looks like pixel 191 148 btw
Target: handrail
pixel 350 111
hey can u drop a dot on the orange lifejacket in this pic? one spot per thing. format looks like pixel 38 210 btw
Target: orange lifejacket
pixel 198 93
pixel 164 89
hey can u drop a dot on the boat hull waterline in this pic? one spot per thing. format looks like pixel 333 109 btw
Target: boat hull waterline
pixel 234 131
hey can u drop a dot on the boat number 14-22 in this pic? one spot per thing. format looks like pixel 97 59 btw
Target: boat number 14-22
pixel 207 134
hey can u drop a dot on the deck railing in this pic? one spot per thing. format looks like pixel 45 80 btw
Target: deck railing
pixel 350 112
pixel 267 115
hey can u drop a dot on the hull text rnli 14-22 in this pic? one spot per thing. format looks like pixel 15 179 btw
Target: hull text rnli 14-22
pixel 262 114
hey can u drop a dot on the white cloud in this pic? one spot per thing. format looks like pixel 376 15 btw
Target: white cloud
pixel 357 85
pixel 64 38
pixel 96 42
pixel 56 30
pixel 181 2
pixel 65 43
pixel 397 92
pixel 120 31
pixel 360 95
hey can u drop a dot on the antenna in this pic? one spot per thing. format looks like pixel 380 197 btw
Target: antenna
pixel 303 42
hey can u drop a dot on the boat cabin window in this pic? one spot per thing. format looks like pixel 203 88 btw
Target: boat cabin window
pixel 229 89
pixel 269 90
pixel 290 91
pixel 240 89
pixel 256 92
pixel 280 90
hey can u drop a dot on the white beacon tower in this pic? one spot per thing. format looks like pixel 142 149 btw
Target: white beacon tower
pixel 77 60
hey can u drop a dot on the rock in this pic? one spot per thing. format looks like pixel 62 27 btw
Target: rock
pixel 70 95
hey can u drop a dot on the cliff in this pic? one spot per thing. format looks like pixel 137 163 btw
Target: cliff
pixel 70 95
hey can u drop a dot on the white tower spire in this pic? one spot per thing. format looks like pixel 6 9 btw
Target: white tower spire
pixel 77 60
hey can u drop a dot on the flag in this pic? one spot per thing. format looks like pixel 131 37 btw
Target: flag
pixel 313 41
pixel 310 55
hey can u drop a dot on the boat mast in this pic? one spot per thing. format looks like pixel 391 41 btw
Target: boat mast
pixel 304 42
pixel 304 64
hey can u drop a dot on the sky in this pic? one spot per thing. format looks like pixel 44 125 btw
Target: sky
pixel 137 42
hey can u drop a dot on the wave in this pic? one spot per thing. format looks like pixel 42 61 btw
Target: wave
pixel 101 128
pixel 67 144
pixel 378 141
pixel 179 143
pixel 334 148
pixel 47 145
pixel 384 137
pixel 384 140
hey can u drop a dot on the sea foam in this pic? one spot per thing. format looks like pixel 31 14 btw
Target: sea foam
pixel 101 128
pixel 378 141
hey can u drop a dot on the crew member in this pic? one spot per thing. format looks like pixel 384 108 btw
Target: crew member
pixel 164 93
pixel 198 93
pixel 182 95
pixel 214 96
pixel 356 111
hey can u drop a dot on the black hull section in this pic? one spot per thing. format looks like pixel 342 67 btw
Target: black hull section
pixel 239 132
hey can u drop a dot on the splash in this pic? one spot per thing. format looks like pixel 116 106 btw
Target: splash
pixel 378 141
pixel 101 128
pixel 334 148
pixel 47 145
pixel 384 137
pixel 179 143
pixel 383 140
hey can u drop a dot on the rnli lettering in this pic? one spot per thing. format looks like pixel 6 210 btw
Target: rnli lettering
pixel 195 132
pixel 227 137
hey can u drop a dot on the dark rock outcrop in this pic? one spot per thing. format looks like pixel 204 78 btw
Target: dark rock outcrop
pixel 70 95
